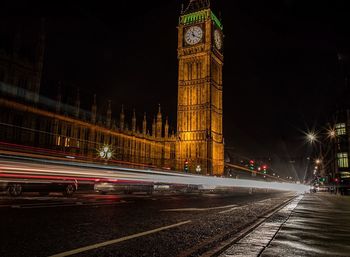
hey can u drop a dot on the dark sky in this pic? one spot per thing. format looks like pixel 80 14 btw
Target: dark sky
pixel 281 72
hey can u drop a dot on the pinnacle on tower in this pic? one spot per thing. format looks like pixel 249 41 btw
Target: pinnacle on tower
pixel 133 122
pixel 109 114
pixel 154 127
pixel 166 128
pixel 196 5
pixel 144 125
pixel 122 119
pixel 159 115
pixel 159 124
pixel 94 111
pixel 59 98
pixel 77 105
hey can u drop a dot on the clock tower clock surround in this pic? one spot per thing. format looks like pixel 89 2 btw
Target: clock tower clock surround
pixel 199 111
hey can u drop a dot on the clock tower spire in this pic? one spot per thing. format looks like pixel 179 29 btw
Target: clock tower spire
pixel 200 55
pixel 196 5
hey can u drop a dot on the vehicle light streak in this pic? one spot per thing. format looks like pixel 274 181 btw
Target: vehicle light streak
pixel 93 173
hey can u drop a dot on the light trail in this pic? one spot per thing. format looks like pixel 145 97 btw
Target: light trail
pixel 29 168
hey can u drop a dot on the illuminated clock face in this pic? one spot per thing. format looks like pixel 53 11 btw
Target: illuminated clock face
pixel 193 35
pixel 218 39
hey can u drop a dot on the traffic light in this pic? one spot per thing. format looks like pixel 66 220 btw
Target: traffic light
pixel 251 165
pixel 186 166
pixel 322 179
pixel 264 169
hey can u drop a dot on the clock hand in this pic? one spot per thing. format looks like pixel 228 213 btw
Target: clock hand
pixel 194 35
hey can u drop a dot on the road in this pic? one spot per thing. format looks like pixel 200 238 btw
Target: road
pixel 127 225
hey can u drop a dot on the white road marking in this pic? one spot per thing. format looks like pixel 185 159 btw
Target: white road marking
pixel 115 241
pixel 200 209
pixel 229 210
pixel 239 207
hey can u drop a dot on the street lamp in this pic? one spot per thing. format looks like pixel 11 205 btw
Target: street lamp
pixel 331 133
pixel 198 169
pixel 311 137
pixel 321 144
pixel 105 152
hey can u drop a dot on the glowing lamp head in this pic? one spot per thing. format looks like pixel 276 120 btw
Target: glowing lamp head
pixel 332 133
pixel 311 137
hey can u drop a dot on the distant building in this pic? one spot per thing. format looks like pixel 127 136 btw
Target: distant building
pixel 336 147
pixel 53 125
pixel 22 46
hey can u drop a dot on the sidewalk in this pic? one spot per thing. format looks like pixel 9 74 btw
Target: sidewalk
pixel 315 225
pixel 318 226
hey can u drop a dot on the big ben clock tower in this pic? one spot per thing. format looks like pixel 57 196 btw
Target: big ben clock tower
pixel 199 112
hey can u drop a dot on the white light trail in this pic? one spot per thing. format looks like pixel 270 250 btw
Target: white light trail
pixel 95 173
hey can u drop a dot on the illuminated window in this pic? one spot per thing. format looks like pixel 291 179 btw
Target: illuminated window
pixel 58 140
pixel 67 142
pixel 340 129
pixel 343 160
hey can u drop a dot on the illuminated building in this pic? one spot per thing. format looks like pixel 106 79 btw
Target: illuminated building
pixel 200 54
pixel 199 138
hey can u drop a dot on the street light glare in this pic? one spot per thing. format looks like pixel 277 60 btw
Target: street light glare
pixel 331 133
pixel 105 152
pixel 311 137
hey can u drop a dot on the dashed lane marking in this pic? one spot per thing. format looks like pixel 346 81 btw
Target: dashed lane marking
pixel 115 241
pixel 200 209
pixel 231 209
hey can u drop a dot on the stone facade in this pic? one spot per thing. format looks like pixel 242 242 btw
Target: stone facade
pixel 26 120
pixel 200 54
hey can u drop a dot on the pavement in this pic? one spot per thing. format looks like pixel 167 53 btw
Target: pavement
pixel 311 225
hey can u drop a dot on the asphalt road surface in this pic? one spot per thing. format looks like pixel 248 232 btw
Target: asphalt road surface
pixel 135 225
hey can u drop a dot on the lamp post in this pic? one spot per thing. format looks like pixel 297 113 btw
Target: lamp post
pixel 105 153
pixel 319 142
pixel 198 169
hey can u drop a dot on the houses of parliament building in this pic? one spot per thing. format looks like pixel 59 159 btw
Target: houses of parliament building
pixel 30 120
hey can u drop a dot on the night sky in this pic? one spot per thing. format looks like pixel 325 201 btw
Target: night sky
pixel 281 75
